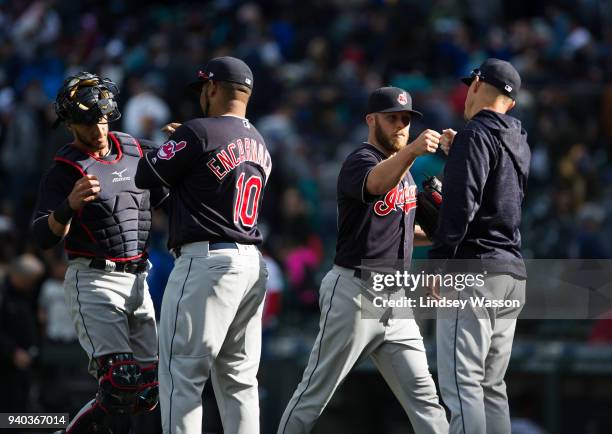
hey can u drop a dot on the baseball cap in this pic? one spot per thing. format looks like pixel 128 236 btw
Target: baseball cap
pixel 224 68
pixel 497 73
pixel 391 99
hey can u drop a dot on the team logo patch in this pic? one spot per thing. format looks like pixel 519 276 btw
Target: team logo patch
pixel 169 149
pixel 402 98
pixel 397 199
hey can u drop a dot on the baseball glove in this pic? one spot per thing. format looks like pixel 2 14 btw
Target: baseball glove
pixel 428 205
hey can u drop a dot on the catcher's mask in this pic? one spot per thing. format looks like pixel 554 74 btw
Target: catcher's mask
pixel 86 99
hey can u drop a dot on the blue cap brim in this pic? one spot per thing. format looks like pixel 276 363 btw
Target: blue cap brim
pixel 196 86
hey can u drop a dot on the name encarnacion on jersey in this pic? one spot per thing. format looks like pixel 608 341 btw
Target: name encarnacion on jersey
pixel 237 152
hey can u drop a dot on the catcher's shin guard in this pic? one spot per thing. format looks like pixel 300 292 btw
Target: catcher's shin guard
pixel 119 382
pixel 124 388
pixel 148 392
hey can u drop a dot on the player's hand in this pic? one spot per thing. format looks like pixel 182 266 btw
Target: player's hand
pixel 426 143
pixel 171 127
pixel 85 190
pixel 446 141
pixel 22 359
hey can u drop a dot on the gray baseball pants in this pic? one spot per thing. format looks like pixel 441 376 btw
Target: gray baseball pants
pixel 474 346
pixel 211 326
pixel 112 312
pixel 344 339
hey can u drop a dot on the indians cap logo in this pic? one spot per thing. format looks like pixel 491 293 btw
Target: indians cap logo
pixel 169 150
pixel 402 98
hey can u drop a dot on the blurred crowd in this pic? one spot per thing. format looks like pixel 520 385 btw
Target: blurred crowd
pixel 314 64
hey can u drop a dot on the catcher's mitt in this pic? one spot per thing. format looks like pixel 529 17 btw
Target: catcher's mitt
pixel 428 205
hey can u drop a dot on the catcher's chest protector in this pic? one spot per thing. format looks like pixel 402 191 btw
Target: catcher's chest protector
pixel 116 225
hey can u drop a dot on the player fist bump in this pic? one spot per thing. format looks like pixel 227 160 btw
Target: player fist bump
pixel 426 143
pixel 446 140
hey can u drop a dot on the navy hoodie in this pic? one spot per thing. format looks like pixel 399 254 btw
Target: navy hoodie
pixel 485 178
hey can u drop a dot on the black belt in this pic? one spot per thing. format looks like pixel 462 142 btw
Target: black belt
pixel 123 267
pixel 362 274
pixel 211 246
pixel 219 246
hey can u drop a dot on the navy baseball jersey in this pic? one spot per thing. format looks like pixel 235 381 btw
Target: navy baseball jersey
pixel 372 227
pixel 217 169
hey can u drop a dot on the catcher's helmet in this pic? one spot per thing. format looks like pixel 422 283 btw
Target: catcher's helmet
pixel 86 98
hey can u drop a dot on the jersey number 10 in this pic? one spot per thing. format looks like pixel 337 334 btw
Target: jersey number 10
pixel 247 200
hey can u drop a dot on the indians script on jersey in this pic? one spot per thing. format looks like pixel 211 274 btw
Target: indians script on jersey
pixel 397 199
pixel 237 152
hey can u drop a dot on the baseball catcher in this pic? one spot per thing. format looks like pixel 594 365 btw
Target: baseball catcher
pixel 89 200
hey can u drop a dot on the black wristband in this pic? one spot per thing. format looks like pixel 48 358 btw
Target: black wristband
pixel 63 213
